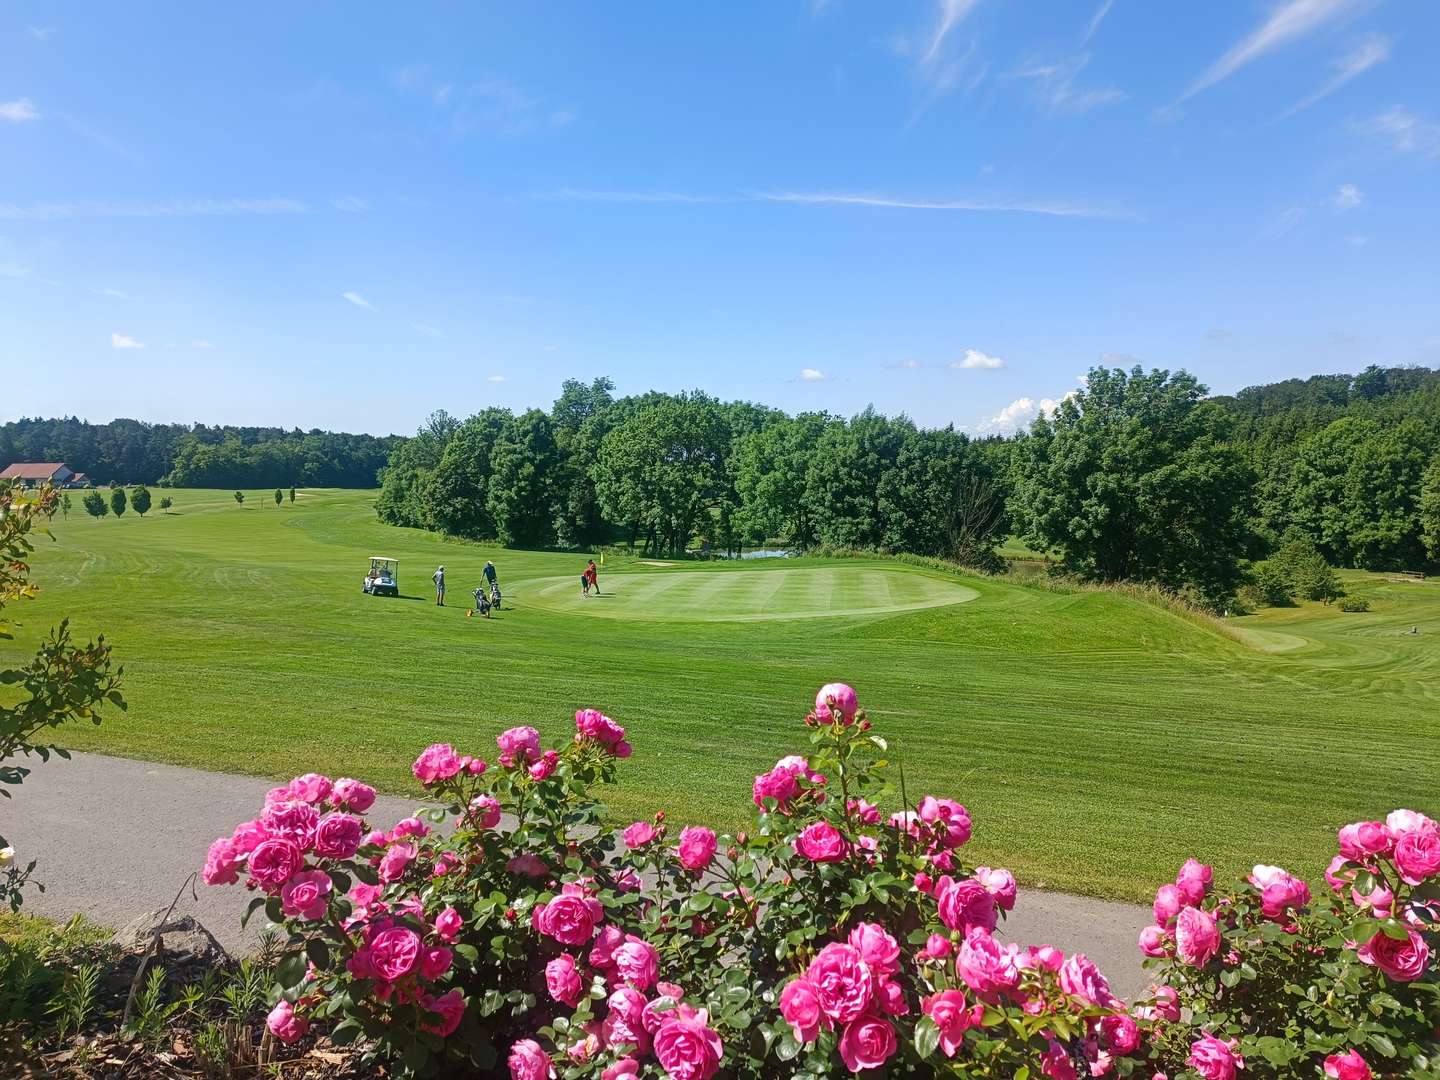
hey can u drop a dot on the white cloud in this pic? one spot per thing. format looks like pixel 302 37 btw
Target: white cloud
pixel 1373 50
pixel 427 330
pixel 1019 414
pixel 975 360
pixel 951 14
pixel 1347 197
pixel 906 365
pixel 840 198
pixel 41 33
pixel 358 300
pixel 349 204
pixel 19 110
pixel 497 378
pixel 1097 19
pixel 813 375
pixel 1055 87
pixel 122 341
pixel 1292 20
pixel 1405 131
pixel 184 208
pixel 115 293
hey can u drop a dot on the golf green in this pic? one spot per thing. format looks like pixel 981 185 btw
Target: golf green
pixel 1096 738
pixel 748 596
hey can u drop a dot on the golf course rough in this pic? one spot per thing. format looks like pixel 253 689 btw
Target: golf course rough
pixel 1096 739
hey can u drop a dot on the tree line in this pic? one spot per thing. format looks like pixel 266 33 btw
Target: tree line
pixel 198 455
pixel 1139 476
pixel 663 470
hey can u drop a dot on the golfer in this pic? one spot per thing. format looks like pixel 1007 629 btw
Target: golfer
pixel 592 576
pixel 490 573
pixel 439 578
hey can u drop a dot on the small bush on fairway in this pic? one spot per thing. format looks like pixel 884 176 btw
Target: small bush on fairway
pixel 140 499
pixel 94 504
pixel 117 501
pixel 166 502
pixel 240 498
pixel 1354 603
pixel 827 940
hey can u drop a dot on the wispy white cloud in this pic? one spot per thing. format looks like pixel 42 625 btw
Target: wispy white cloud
pixel 1292 20
pixel 1347 197
pixel 41 33
pixel 904 365
pixel 182 208
pixel 1097 19
pixel 358 300
pixel 349 204
pixel 1056 89
pixel 813 375
pixel 1375 49
pixel 497 378
pixel 201 345
pixel 19 110
pixel 1285 221
pixel 950 15
pixel 1357 241
pixel 493 104
pixel 1405 131
pixel 428 330
pixel 111 292
pixel 124 341
pixel 975 360
pixel 840 198
pixel 1019 414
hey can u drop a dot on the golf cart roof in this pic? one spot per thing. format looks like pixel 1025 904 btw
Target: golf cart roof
pixel 383 558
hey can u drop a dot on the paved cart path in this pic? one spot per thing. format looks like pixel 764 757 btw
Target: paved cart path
pixel 116 838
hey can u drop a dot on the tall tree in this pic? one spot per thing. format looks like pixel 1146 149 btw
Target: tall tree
pixel 842 484
pixel 581 417
pixel 771 466
pixel 1133 479
pixel 1430 510
pixel 1318 501
pixel 140 499
pixel 456 493
pixel 117 501
pixel 1382 498
pixel 94 504
pixel 521 492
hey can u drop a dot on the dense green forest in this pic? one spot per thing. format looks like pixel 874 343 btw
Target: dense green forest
pixel 1139 476
pixel 181 455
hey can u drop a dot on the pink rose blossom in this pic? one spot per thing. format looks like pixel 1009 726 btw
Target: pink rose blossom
pixel 779 784
pixel 800 1006
pixel 527 864
pixel 306 895
pixel 821 842
pixel 1363 840
pixel 410 826
pixel 1193 881
pixel 248 836
pixel 338 836
pixel 602 953
pixel 625 1023
pixel 876 947
pixel 484 812
pixel 518 745
pixel 937 947
pixel 352 795
pixel 448 924
pixel 866 813
pixel 563 981
pixel 1400 822
pixel 686 1046
pixel 1055 1063
pixel 1119 1034
pixel 867 1043
pixel 1340 874
pixel 1080 978
pixel 1196 937
pixel 273 862
pixel 950 814
pixel 1283 895
pixel 434 962
pixel 950 1013
pixel 965 905
pixel 529 1062
pixel 310 788
pixel 395 860
pixel 1166 1003
pixel 842 980
pixel 1168 902
pixel 1213 1059
pixel 638 834
pixel 697 847
pixel 986 966
pixel 593 724
pixel 1417 855
pixel 438 762
pixel 1000 884
pixel 571 917
pixel 836 703
pixel 291 820
pixel 1402 961
pixel 285 1023
pixel 1347 1066
pixel 449 1007
pixel 542 769
pixel 1042 958
pixel 627 1068
pixel 637 962
pixel 221 864
pixel 393 952
pixel 1153 941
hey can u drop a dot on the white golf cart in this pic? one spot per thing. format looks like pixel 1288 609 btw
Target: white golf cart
pixel 384 576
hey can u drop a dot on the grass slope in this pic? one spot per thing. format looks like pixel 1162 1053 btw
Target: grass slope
pixel 1097 740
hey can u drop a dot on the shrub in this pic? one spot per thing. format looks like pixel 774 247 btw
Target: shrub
pixel 1270 584
pixel 1354 603
pixel 140 499
pixel 117 501
pixel 95 505
pixel 830 938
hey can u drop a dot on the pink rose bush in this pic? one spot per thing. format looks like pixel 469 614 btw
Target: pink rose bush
pixel 1273 983
pixel 506 927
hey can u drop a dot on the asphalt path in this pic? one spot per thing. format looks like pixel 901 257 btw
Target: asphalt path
pixel 117 838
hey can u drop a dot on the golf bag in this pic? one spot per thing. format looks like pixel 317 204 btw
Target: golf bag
pixel 495 595
pixel 482 605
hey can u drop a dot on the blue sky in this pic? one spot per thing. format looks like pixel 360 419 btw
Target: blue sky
pixel 343 216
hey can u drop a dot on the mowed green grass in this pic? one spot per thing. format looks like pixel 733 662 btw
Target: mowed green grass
pixel 1096 739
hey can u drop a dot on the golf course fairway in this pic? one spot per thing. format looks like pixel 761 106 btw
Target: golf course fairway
pixel 1096 738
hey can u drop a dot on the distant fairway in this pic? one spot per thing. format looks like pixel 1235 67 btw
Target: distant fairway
pixel 746 595
pixel 1097 740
